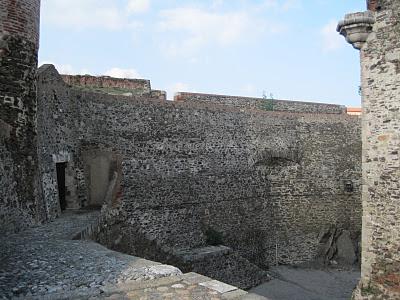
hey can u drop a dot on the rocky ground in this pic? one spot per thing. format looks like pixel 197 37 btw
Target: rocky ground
pixel 45 262
pixel 309 284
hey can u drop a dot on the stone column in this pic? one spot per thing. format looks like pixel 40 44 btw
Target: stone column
pixel 380 80
pixel 19 43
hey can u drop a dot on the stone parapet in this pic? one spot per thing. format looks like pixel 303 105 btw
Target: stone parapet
pixel 262 103
pixel 114 86
pixel 135 86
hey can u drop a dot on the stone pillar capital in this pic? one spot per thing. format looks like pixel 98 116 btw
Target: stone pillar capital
pixel 356 28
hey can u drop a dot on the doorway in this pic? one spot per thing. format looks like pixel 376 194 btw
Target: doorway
pixel 61 184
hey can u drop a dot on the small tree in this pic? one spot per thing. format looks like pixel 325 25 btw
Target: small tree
pixel 268 103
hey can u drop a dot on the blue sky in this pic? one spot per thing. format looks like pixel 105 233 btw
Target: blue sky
pixel 288 48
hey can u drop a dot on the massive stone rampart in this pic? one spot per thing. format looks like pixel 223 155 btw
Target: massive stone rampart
pixel 20 205
pixel 267 182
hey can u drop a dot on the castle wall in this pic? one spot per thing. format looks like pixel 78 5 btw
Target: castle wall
pixel 263 104
pixel 136 86
pixel 380 62
pixel 58 141
pixel 264 180
pixel 246 175
pixel 20 204
pixel 114 86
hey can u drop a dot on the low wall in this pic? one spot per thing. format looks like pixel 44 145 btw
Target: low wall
pixel 220 263
pixel 224 264
pixel 263 104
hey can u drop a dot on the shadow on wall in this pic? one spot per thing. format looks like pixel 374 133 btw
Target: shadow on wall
pixel 103 174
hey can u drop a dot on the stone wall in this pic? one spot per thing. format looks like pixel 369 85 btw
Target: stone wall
pixel 187 167
pixel 58 141
pixel 219 262
pixel 20 205
pixel 263 104
pixel 108 82
pixel 223 264
pixel 116 86
pixel 372 5
pixel 245 175
pixel 380 60
pixel 20 18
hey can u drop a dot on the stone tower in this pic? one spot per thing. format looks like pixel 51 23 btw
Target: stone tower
pixel 19 43
pixel 377 34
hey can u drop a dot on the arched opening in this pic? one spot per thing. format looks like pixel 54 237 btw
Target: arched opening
pixel 60 167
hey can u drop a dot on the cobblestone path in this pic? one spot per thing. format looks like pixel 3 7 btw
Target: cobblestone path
pixel 44 262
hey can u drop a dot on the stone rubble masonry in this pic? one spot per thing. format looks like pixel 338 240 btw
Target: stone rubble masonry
pixel 157 94
pixel 263 104
pixel 373 5
pixel 380 63
pixel 20 18
pixel 264 175
pixel 110 85
pixel 264 180
pixel 20 205
pixel 222 263
pixel 219 262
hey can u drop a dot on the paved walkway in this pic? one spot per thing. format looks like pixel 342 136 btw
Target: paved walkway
pixel 45 263
pixel 309 284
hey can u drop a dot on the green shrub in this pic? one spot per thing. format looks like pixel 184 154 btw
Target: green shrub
pixel 213 237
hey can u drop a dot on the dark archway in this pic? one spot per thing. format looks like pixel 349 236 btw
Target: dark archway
pixel 61 184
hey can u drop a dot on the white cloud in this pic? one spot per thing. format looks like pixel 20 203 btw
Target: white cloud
pixel 83 14
pixel 66 69
pixel 138 6
pixel 198 27
pixel 249 89
pixel 123 73
pixel 331 40
pixel 280 5
pixel 290 4
pixel 113 72
pixel 217 3
pixel 270 3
